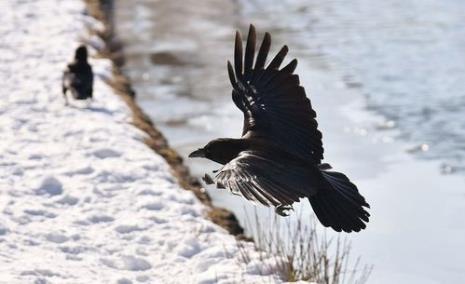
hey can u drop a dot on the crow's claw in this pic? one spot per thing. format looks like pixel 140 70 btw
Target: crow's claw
pixel 284 210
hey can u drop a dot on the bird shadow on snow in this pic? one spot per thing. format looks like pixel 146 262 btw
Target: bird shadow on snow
pixel 98 109
pixel 91 109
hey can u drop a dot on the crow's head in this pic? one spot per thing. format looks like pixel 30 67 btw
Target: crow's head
pixel 81 53
pixel 220 150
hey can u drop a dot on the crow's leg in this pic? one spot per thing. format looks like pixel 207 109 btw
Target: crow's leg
pixel 65 96
pixel 284 210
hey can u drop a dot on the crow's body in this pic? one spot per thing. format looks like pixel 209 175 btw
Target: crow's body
pixel 78 77
pixel 277 161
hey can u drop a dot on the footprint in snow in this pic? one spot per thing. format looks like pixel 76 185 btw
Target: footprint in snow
pixel 73 250
pixel 3 230
pixel 87 170
pixel 40 213
pixel 50 186
pixel 56 238
pixel 126 229
pixel 68 200
pixel 128 262
pixel 188 248
pixel 41 280
pixel 106 153
pixel 155 206
pixel 95 219
pixel 40 272
pixel 36 157
pixel 142 278
pixel 144 240
pixel 150 192
pixel 124 281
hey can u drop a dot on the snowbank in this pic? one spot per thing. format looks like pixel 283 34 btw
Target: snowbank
pixel 82 198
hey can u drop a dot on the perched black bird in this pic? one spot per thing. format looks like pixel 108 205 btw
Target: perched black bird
pixel 78 77
pixel 277 160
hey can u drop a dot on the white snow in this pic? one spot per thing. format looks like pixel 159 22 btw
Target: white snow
pixel 82 199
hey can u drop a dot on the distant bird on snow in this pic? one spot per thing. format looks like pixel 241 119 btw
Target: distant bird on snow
pixel 78 77
pixel 277 160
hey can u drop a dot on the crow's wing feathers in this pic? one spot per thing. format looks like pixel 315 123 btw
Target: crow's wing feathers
pixel 68 78
pixel 79 80
pixel 260 178
pixel 274 104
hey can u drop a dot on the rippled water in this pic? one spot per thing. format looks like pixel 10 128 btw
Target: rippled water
pixel 409 58
pixel 387 79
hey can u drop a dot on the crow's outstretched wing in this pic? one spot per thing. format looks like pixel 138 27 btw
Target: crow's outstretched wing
pixel 260 178
pixel 274 104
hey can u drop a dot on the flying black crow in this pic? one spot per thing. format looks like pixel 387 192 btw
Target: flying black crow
pixel 277 160
pixel 78 77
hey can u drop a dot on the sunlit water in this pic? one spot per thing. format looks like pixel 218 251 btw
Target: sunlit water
pixel 387 79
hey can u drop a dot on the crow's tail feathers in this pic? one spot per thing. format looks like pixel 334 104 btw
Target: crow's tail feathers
pixel 339 205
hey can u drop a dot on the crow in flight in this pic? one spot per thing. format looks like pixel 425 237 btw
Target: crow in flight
pixel 78 77
pixel 277 160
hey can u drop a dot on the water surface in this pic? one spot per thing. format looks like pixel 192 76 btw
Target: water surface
pixel 387 80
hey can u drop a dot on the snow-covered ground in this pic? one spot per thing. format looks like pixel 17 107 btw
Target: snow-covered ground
pixel 82 198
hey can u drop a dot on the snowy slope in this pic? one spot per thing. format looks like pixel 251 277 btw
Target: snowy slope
pixel 82 199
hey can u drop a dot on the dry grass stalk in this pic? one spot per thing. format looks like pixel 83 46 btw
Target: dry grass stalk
pixel 300 252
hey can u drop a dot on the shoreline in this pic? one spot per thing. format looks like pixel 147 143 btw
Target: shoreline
pixel 114 51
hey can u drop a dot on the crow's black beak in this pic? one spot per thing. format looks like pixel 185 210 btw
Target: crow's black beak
pixel 200 153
